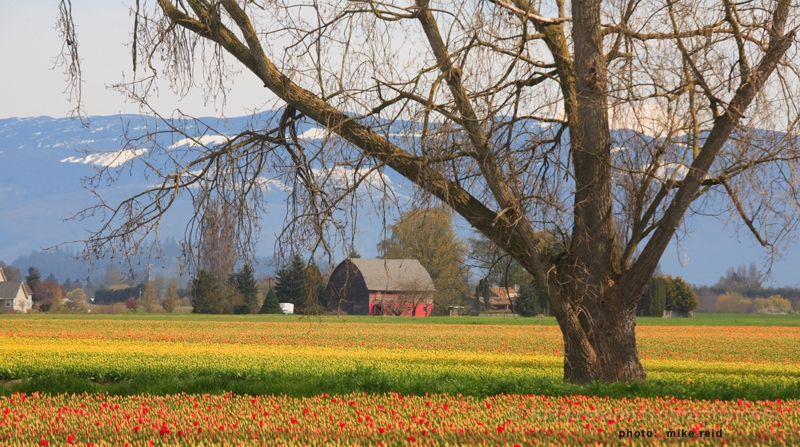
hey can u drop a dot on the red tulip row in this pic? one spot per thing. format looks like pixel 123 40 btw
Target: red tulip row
pixel 391 419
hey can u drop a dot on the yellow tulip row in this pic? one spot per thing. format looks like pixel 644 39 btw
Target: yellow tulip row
pixel 110 359
pixel 698 343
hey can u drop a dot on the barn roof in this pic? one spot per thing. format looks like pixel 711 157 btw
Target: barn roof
pixel 394 274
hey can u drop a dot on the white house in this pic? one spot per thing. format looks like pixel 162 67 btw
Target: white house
pixel 14 296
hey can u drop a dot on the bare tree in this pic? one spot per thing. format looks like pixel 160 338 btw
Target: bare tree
pixel 218 239
pixel 597 125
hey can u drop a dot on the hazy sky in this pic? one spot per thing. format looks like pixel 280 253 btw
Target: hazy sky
pixel 32 87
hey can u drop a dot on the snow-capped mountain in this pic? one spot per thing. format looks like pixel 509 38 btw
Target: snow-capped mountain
pixel 42 162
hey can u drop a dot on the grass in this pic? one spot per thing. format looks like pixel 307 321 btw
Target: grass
pixel 371 381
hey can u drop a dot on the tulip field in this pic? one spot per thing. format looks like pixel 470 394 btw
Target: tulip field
pixel 142 381
pixel 391 419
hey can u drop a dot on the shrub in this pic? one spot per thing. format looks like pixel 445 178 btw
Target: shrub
pixel 733 303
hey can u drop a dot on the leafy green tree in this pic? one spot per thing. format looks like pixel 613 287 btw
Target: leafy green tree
pixel 427 235
pixel 680 296
pixel 206 293
pixel 79 302
pixel 354 254
pixel 271 304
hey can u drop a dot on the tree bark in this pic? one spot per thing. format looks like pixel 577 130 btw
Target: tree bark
pixel 599 338
pixel 613 340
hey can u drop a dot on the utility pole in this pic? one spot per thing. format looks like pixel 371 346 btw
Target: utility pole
pixel 148 271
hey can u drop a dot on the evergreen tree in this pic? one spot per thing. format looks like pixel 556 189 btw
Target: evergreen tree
pixel 290 286
pixel 271 304
pixel 528 301
pixel 206 293
pixel 654 299
pixel 245 283
pixel 33 278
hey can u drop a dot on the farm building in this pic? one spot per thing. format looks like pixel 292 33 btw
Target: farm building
pixel 500 298
pixel 503 298
pixel 381 287
pixel 14 296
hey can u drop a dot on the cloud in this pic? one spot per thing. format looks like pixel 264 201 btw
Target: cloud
pixel 269 184
pixel 205 140
pixel 315 133
pixel 107 159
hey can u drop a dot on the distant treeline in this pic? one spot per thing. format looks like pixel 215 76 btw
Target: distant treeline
pixel 746 282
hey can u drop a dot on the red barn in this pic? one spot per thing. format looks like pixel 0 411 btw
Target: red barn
pixel 381 287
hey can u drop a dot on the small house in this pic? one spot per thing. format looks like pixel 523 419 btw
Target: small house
pixel 503 298
pixel 381 287
pixel 14 296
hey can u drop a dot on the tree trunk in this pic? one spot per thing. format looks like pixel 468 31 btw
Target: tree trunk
pixel 601 348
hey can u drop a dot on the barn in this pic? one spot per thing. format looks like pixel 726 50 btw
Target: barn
pixel 380 287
